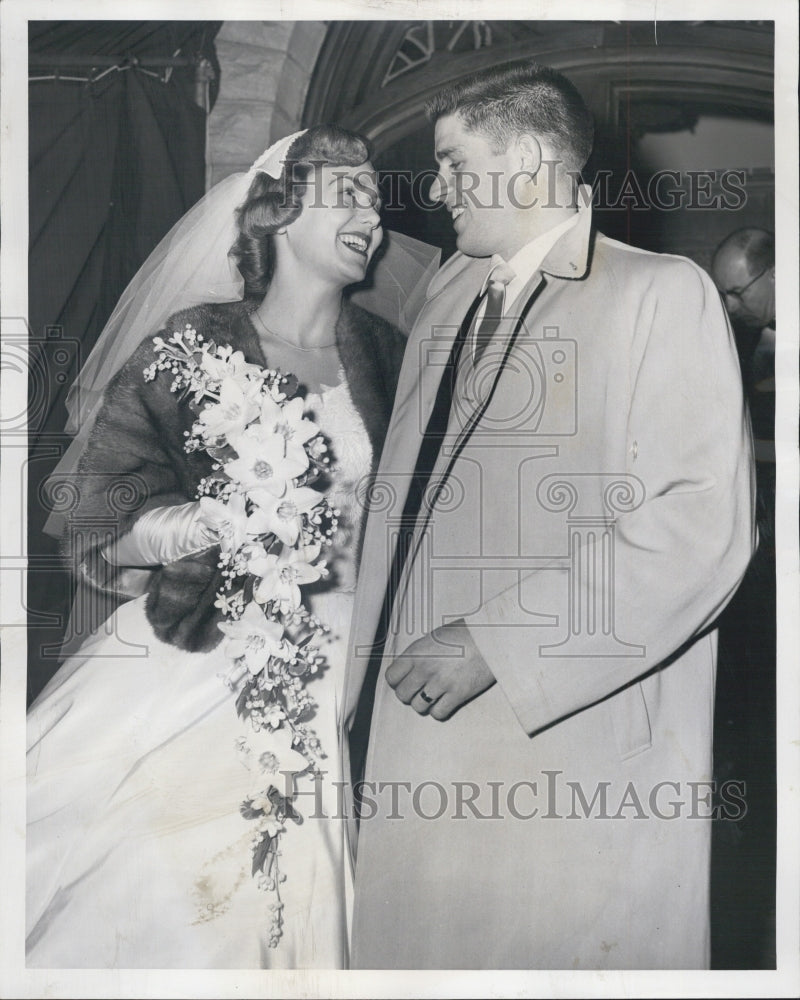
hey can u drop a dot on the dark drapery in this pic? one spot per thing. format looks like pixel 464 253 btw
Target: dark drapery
pixel 114 162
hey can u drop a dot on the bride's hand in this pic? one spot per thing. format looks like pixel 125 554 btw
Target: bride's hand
pixel 161 536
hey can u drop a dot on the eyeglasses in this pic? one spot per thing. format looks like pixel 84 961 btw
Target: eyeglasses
pixel 737 293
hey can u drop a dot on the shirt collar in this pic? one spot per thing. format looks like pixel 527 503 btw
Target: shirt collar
pixel 565 258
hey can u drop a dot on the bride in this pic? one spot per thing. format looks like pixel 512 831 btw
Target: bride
pixel 139 854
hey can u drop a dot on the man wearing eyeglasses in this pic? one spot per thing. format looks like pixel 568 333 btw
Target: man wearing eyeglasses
pixel 743 270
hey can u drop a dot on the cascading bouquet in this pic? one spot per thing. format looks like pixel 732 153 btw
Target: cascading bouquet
pixel 272 528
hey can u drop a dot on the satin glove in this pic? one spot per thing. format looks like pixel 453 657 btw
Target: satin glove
pixel 162 535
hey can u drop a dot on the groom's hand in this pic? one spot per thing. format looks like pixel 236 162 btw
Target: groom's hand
pixel 436 680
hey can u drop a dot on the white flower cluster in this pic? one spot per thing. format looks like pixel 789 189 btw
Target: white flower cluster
pixel 272 527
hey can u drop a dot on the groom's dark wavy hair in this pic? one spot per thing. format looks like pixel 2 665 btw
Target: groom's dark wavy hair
pixel 527 97
pixel 271 204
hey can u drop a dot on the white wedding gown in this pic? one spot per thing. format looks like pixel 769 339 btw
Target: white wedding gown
pixel 137 853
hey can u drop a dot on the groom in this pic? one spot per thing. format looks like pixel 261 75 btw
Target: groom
pixel 563 508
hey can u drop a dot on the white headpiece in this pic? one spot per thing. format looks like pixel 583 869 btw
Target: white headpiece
pixel 271 160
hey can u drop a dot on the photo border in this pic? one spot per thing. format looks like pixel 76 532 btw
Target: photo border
pixel 15 979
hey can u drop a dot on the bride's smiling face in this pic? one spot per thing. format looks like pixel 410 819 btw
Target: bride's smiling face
pixel 339 227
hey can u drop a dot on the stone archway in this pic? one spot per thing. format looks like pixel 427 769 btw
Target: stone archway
pixel 611 62
pixel 375 77
pixel 265 70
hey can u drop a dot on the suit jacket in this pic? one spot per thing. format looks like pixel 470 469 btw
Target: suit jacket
pixel 135 460
pixel 593 518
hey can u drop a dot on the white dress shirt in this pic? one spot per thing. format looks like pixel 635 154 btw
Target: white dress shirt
pixel 527 261
pixel 523 264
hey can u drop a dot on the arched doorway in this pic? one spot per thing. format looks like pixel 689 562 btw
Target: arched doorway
pixel 704 80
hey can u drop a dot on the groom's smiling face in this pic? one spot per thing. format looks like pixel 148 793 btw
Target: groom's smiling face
pixel 474 182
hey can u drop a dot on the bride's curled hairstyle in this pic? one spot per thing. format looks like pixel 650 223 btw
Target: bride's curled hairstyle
pixel 273 203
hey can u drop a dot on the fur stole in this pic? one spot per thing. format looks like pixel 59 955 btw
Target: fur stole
pixel 135 461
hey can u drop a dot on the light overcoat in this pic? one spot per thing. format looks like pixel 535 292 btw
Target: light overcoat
pixel 591 516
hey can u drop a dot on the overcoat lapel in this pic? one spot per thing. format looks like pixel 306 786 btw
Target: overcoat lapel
pixel 465 418
pixel 426 355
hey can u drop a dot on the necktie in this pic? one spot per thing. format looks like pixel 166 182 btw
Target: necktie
pixel 493 314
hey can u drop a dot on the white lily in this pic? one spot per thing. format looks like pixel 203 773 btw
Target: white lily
pixel 282 576
pixel 288 420
pixel 226 363
pixel 272 752
pixel 285 514
pixel 229 518
pixel 263 462
pixel 229 417
pixel 253 638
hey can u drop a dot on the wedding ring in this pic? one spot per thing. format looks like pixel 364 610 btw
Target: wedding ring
pixel 426 698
